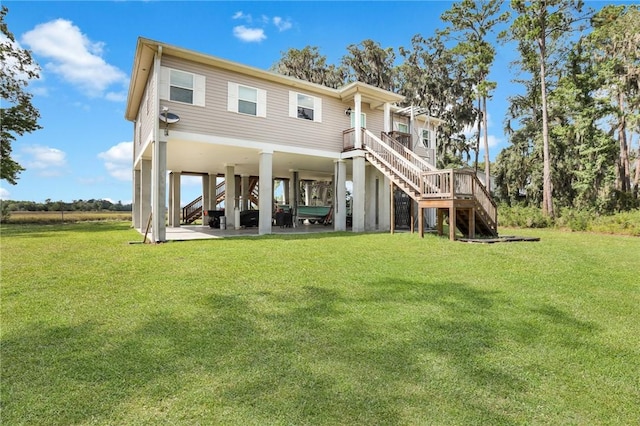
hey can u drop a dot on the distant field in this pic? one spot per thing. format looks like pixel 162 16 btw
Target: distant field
pixel 66 216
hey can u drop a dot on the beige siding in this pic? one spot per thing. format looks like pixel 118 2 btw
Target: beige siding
pixel 147 116
pixel 277 127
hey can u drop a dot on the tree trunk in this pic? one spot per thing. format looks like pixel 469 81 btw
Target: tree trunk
pixel 624 166
pixel 475 163
pixel 547 185
pixel 487 165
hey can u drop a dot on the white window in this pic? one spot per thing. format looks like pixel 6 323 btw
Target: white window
pixel 246 100
pixel 305 106
pixel 402 127
pixel 363 119
pixel 181 86
pixel 426 138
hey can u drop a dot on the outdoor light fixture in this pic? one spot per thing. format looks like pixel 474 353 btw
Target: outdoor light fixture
pixel 348 111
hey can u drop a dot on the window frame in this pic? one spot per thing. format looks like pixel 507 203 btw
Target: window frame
pixel 234 99
pixel 181 87
pixel 363 119
pixel 428 139
pixel 294 106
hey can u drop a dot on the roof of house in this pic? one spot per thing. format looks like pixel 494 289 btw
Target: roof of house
pixel 147 49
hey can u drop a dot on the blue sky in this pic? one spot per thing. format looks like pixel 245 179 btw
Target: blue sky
pixel 85 51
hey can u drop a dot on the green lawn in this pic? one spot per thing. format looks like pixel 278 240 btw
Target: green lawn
pixel 342 328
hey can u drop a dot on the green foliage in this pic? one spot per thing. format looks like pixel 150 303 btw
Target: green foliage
pixel 17 115
pixel 522 217
pixel 308 64
pixel 369 63
pixel 622 223
pixel 5 213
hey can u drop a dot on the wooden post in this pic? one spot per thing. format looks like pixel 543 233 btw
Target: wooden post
pixel 440 221
pixel 421 222
pixel 472 222
pixel 412 216
pixel 452 222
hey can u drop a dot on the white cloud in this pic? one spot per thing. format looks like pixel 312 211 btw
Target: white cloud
pixel 281 24
pixel 249 34
pixel 117 160
pixel 241 15
pixel 74 57
pixel 4 194
pixel 47 161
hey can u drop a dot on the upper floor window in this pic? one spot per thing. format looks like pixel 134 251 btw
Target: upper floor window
pixel 181 86
pixel 403 128
pixel 305 106
pixel 246 100
pixel 426 138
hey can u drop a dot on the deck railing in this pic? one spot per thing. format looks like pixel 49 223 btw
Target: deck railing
pixel 192 210
pixel 427 183
pixel 455 185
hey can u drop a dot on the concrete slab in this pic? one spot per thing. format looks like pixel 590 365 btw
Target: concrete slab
pixel 199 232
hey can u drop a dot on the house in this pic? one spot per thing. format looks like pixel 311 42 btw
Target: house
pixel 195 114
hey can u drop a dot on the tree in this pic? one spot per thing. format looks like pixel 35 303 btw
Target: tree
pixel 432 77
pixel 470 23
pixel 17 115
pixel 613 44
pixel 309 65
pixel 537 28
pixel 369 63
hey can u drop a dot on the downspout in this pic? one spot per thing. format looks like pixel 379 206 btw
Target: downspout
pixel 156 212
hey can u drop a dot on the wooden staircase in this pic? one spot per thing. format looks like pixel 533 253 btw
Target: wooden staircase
pixel 193 211
pixel 456 194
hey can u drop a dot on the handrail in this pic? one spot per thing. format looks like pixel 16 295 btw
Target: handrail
pixel 407 153
pixel 192 209
pixel 399 165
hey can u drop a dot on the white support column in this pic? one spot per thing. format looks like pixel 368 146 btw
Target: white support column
pixel 145 193
pixel 265 202
pixel 213 191
pixel 340 191
pixel 229 194
pixel 244 191
pixel 135 207
pixel 205 194
pixel 358 121
pixel 359 188
pixel 174 200
pixel 159 192
pixel 387 118
pixel 307 193
pixel 370 198
pixel 286 192
pixel 294 195
pixel 384 206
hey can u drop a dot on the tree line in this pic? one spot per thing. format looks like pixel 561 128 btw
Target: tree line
pixel 570 130
pixel 91 205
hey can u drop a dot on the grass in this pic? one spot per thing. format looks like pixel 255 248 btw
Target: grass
pixel 52 217
pixel 317 329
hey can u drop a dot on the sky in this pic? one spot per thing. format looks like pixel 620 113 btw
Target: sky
pixel 85 51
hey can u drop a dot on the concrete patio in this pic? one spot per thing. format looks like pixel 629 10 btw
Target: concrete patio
pixel 199 232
